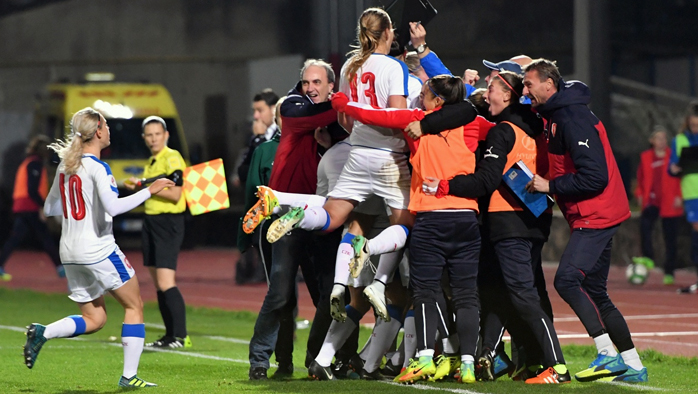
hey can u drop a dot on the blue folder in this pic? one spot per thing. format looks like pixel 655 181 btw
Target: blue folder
pixel 516 179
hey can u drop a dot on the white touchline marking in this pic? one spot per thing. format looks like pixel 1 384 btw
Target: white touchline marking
pixel 239 361
pixel 637 317
pixel 634 334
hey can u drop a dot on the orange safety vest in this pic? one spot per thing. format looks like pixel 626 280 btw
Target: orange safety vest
pixel 525 150
pixel 441 156
pixel 21 200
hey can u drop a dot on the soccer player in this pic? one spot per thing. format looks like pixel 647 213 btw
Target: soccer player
pixel 84 193
pixel 163 233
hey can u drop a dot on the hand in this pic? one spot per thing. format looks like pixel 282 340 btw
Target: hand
pixel 471 77
pixel 323 137
pixel 538 184
pixel 417 34
pixel 160 184
pixel 674 169
pixel 339 101
pixel 131 183
pixel 430 186
pixel 678 202
pixel 258 128
pixel 414 129
pixel 42 215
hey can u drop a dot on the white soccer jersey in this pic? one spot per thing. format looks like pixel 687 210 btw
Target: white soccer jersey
pixel 85 201
pixel 380 77
pixel 414 88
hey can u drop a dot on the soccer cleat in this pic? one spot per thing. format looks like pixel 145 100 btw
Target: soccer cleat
pixel 361 255
pixel 467 373
pixel 283 372
pixel 260 210
pixel 341 370
pixel 284 224
pixel 35 340
pixel 4 276
pixel 135 382
pixel 629 376
pixel 375 294
pixel 549 376
pixel 523 373
pixel 486 368
pixel 318 372
pixel 375 375
pixel 502 365
pixel 601 367
pixel 391 369
pixel 337 308
pixel 692 289
pixel 668 280
pixel 418 369
pixel 163 342
pixel 258 373
pixel 445 366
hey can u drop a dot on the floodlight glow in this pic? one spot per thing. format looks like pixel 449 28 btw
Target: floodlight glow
pixel 99 77
pixel 110 110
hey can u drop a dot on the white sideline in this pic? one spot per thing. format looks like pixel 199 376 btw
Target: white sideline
pixel 637 317
pixel 238 361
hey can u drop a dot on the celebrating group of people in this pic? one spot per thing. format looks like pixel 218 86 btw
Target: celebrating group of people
pixel 392 187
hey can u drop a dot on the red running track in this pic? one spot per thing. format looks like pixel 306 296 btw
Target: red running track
pixel 658 317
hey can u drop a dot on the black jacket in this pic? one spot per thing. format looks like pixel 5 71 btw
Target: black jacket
pixel 488 176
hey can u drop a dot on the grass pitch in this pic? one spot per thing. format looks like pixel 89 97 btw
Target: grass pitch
pixel 218 361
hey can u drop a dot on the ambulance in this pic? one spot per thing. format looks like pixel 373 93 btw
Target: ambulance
pixel 124 105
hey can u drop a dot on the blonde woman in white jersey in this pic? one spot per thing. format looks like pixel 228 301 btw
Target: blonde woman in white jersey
pixel 84 193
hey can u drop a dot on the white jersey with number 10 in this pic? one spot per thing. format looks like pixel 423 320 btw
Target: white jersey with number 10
pixel 380 77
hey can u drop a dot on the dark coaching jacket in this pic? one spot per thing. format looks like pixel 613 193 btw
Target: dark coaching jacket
pixel 487 178
pixel 584 176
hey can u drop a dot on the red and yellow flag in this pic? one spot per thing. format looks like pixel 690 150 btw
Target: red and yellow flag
pixel 205 188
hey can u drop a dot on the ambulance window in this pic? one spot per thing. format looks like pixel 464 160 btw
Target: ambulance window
pixel 127 141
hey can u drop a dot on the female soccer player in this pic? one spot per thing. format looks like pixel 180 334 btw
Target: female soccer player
pixel 84 192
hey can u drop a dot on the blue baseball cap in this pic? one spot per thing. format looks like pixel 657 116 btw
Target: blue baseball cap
pixel 506 65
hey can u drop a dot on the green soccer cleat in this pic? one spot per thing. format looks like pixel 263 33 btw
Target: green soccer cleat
pixel 135 382
pixel 35 340
pixel 467 373
pixel 361 256
pixel 445 366
pixel 284 224
pixel 602 367
pixel 629 376
pixel 419 369
pixel 4 276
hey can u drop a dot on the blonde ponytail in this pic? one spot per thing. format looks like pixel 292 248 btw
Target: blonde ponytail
pixel 83 127
pixel 372 23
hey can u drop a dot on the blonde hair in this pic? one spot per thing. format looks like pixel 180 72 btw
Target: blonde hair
pixel 277 111
pixel 372 24
pixel 83 127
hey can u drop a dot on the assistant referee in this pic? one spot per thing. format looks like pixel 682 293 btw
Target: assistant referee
pixel 163 232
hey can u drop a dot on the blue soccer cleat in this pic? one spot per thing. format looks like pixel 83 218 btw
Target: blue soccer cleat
pixel 602 367
pixel 629 376
pixel 35 340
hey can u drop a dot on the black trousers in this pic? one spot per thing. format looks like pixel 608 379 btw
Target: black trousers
pixel 670 228
pixel 581 281
pixel 23 223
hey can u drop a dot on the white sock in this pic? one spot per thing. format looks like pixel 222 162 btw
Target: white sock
pixel 341 267
pixel 632 359
pixel 467 358
pixel 315 218
pixel 65 328
pixel 132 338
pixel 450 344
pixel 335 338
pixel 389 240
pixel 294 199
pixel 386 266
pixel 382 338
pixel 604 345
pixel 426 353
pixel 409 339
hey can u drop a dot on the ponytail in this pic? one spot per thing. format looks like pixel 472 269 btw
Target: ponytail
pixel 83 127
pixel 372 23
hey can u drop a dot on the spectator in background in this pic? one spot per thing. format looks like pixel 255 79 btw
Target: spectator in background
pixel 263 128
pixel 688 137
pixel 31 188
pixel 659 195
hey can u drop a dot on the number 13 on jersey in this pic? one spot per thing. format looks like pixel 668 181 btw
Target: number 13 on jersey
pixel 368 81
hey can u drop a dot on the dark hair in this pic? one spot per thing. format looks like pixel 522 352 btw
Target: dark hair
pixel 546 69
pixel 509 81
pixel 448 87
pixel 396 49
pixel 691 111
pixel 38 145
pixel 478 101
pixel 267 95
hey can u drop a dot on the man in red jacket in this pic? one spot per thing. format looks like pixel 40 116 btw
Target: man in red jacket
pixel 586 183
pixel 659 195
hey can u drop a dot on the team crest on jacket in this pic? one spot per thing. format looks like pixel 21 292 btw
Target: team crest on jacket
pixel 553 129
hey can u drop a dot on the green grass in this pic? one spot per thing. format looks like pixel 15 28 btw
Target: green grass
pixel 93 364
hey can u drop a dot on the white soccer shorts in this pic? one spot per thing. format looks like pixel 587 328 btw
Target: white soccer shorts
pixel 87 282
